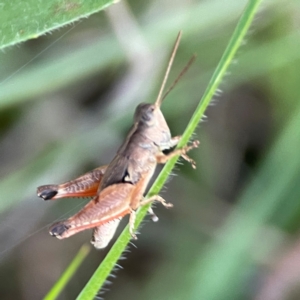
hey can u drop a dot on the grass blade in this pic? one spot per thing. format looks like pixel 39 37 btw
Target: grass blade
pixel 68 273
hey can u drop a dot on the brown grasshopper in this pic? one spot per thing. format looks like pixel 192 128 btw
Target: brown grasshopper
pixel 117 188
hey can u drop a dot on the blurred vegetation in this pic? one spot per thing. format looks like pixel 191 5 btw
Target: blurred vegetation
pixel 66 109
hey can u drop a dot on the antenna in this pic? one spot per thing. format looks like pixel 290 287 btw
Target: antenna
pixel 187 66
pixel 159 97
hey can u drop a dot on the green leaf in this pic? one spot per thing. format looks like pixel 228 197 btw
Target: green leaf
pixel 28 19
pixel 106 267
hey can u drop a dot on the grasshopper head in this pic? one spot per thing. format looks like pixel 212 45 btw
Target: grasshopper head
pixel 152 123
pixel 148 117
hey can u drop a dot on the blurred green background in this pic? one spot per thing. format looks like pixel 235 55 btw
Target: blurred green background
pixel 66 104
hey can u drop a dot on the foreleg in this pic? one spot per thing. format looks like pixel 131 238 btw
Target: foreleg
pixel 163 158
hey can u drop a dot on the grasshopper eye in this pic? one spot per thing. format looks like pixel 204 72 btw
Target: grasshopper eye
pixel 144 113
pixel 147 115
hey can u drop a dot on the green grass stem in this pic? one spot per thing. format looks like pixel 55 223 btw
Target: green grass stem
pixel 68 273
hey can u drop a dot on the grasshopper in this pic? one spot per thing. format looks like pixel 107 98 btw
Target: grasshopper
pixel 117 188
